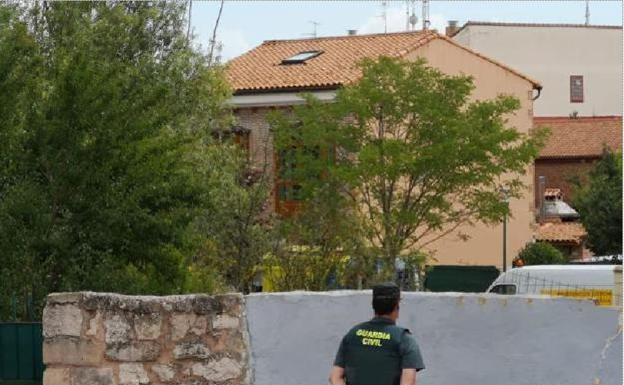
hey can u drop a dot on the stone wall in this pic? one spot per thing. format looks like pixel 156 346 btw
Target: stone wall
pixel 110 339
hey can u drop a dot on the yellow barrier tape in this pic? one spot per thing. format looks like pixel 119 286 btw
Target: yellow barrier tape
pixel 603 297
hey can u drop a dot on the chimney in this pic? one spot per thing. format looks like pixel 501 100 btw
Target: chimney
pixel 352 32
pixel 452 28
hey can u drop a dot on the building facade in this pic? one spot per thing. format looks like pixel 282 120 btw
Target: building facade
pixel 262 82
pixel 579 66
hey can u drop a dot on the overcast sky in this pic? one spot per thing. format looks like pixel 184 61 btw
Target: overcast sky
pixel 245 24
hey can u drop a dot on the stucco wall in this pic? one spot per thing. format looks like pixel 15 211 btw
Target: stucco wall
pixel 551 55
pixel 464 339
pixel 109 339
pixel 485 244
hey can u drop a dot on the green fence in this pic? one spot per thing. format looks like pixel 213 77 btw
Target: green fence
pixel 21 360
pixel 470 279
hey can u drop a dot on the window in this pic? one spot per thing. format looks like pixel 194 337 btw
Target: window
pixel 507 289
pixel 288 193
pixel 301 57
pixel 576 89
pixel 237 134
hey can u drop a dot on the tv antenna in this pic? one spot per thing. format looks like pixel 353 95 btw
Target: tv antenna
pixel 384 15
pixel 314 24
pixel 413 19
pixel 425 15
pixel 586 12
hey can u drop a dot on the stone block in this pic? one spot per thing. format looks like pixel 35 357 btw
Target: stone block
pixel 132 374
pixel 71 351
pixel 165 373
pixel 94 324
pixel 56 376
pixel 220 370
pixel 147 326
pixel 63 298
pixel 191 350
pixel 62 320
pixel 117 329
pixel 182 323
pixel 92 376
pixel 138 351
pixel 225 322
pixel 204 304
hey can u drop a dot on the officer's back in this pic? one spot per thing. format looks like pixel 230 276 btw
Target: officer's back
pixel 378 352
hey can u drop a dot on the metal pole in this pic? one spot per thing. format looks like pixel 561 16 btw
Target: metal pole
pixel 505 243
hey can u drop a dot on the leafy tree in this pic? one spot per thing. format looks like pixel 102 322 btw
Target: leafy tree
pixel 106 112
pixel 236 221
pixel 413 155
pixel 599 203
pixel 540 253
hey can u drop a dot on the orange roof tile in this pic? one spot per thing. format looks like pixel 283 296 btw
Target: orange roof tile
pixel 580 137
pixel 260 69
pixel 568 232
pixel 552 193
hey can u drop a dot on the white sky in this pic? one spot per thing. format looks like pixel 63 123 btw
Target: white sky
pixel 245 24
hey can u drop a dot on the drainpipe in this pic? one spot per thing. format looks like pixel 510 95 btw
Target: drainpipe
pixel 539 92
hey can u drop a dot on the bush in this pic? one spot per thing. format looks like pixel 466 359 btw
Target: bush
pixel 541 253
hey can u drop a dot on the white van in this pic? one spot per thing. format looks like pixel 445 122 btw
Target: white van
pixel 595 282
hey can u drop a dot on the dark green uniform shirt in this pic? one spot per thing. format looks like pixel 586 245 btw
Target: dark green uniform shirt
pixel 375 353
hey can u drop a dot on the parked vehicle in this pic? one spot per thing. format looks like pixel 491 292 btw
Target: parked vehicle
pixel 595 282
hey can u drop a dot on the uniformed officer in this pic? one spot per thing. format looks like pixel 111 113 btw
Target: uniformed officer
pixel 378 352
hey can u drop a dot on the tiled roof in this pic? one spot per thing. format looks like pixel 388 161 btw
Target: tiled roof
pixel 567 232
pixel 552 193
pixel 261 70
pixel 580 137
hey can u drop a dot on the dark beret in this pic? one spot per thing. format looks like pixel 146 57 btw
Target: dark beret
pixel 387 290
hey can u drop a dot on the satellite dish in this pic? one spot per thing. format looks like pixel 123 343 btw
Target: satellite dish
pixel 413 20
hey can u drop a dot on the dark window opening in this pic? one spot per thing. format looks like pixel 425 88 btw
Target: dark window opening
pixel 576 89
pixel 301 57
pixel 505 289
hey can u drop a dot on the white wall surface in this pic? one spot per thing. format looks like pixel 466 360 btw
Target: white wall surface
pixel 464 338
pixel 550 55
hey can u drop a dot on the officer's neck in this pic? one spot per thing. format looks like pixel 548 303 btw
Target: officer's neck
pixel 392 316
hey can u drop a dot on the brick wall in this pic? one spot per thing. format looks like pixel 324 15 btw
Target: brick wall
pixel 110 339
pixel 558 172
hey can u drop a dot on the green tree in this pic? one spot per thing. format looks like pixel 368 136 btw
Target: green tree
pixel 413 155
pixel 236 221
pixel 541 253
pixel 105 118
pixel 599 203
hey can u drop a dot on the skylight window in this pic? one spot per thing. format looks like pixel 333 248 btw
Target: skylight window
pixel 301 57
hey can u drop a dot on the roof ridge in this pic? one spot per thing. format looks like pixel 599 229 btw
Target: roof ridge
pixel 338 37
pixel 519 24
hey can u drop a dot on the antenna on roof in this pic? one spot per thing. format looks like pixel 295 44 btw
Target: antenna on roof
pixel 315 24
pixel 413 19
pixel 586 12
pixel 384 16
pixel 425 15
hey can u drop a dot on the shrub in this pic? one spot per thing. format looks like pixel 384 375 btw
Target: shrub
pixel 541 253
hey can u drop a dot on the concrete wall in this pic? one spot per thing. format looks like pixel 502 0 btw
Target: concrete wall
pixel 464 339
pixel 109 339
pixel 551 55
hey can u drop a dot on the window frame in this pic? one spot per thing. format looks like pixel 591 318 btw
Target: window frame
pixel 575 97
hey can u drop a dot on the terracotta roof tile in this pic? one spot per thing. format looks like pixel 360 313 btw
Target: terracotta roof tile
pixel 260 69
pixel 580 137
pixel 568 232
pixel 552 193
